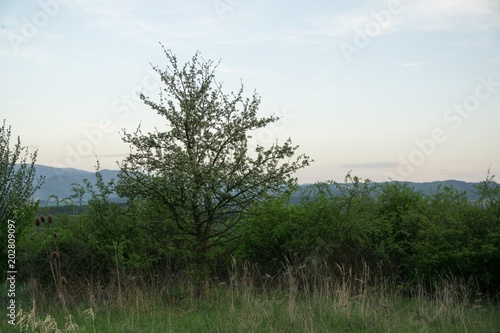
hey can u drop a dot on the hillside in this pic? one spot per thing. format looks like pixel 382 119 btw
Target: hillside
pixel 59 181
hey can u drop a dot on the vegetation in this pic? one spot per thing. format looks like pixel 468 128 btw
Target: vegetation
pixel 209 239
pixel 376 257
pixel 199 176
pixel 251 302
pixel 17 185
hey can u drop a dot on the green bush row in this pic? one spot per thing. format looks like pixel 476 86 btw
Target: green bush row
pixel 390 228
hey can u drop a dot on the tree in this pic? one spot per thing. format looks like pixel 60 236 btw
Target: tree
pixel 16 178
pixel 200 173
pixel 17 185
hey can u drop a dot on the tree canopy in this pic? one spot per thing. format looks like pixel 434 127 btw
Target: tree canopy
pixel 17 184
pixel 16 177
pixel 199 171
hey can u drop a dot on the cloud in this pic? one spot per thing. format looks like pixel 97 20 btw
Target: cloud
pixel 444 15
pixel 346 24
pixel 413 65
pixel 30 54
pixel 146 23
pixel 248 72
pixel 125 154
pixel 370 165
pixel 422 15
pixel 16 43
pixel 92 156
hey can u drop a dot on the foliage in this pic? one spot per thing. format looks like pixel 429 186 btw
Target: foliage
pixel 199 174
pixel 255 302
pixel 323 226
pixel 90 244
pixel 389 227
pixel 17 186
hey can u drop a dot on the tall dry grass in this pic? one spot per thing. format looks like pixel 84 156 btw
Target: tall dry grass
pixel 299 298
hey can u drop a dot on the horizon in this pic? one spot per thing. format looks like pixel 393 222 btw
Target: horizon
pixel 388 89
pixel 301 184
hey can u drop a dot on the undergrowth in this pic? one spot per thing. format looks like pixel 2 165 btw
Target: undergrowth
pixel 298 299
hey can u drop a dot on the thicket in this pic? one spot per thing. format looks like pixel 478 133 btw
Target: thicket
pixel 390 229
pixel 18 183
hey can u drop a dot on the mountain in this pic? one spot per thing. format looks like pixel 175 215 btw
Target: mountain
pixel 427 188
pixel 431 187
pixel 59 181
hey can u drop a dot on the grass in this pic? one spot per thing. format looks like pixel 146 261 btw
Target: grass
pixel 297 300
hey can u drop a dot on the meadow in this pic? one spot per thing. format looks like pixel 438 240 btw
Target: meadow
pixel 396 261
pixel 299 299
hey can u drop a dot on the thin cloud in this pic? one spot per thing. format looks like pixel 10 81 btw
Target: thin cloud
pixel 132 21
pixel 113 155
pixel 92 156
pixel 247 72
pixel 444 15
pixel 347 24
pixel 32 54
pixel 412 65
pixel 370 165
pixel 424 15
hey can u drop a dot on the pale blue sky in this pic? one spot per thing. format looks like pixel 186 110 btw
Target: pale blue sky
pixel 403 89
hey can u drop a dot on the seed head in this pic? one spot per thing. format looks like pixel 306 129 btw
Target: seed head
pixel 54 234
pixel 49 218
pixel 42 218
pixel 54 255
pixel 37 222
pixel 63 281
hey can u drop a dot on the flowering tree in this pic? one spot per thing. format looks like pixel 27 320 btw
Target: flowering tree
pixel 200 172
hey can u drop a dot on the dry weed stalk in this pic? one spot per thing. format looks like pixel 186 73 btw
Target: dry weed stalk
pixel 30 322
pixel 54 257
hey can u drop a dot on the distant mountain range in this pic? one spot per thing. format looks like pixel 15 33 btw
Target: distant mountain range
pixel 58 181
pixel 427 188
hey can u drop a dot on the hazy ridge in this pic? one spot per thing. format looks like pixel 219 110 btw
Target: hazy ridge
pixel 59 181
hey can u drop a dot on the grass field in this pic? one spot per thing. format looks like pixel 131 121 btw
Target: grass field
pixel 295 301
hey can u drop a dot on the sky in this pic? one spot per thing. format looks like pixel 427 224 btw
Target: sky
pixel 403 90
